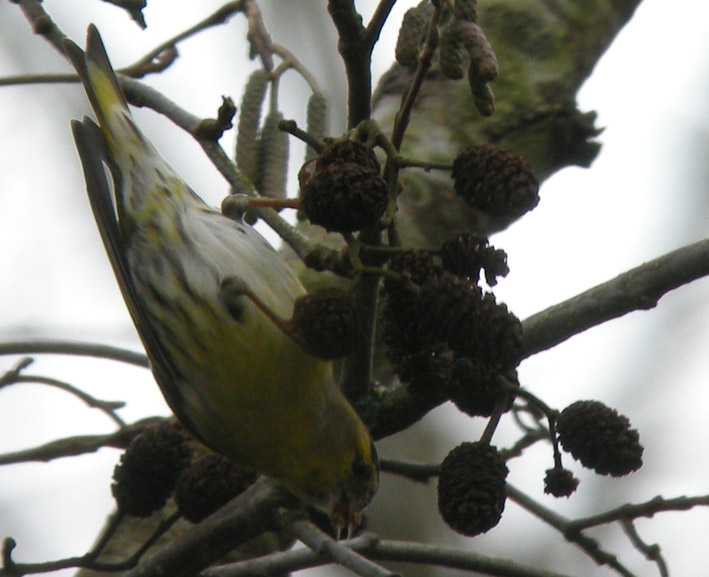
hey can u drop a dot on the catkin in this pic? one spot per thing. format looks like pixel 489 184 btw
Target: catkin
pixel 247 142
pixel 274 157
pixel 316 121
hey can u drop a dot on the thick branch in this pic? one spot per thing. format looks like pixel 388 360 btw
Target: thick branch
pixel 638 289
pixel 355 46
pixel 244 518
pixel 397 408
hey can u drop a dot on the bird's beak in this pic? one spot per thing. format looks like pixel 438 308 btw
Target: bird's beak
pixel 345 516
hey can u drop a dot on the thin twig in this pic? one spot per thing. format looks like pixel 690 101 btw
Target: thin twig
pixel 24 79
pixel 379 18
pixel 633 511
pixel 59 347
pixel 132 561
pixel 403 116
pixel 258 35
pixel 107 407
pixel 529 439
pixel 381 550
pixel 588 545
pixel 327 548
pixel 220 16
pixel 418 472
pixel 297 65
pixel 42 23
pixel 87 561
pixel 78 445
pixel 651 552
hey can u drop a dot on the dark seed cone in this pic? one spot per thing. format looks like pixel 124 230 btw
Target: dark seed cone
pixel 449 308
pixel 495 181
pixel 416 265
pixel 345 197
pixel 427 371
pixel 405 336
pixel 600 438
pixel 560 482
pixel 328 322
pixel 148 470
pixel 346 151
pixel 476 388
pixel 471 488
pixel 465 255
pixel 471 322
pixel 403 331
pixel 209 483
pixel 502 341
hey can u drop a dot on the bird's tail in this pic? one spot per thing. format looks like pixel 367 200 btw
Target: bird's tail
pixel 101 85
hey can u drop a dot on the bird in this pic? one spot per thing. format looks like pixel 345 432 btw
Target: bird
pixel 233 378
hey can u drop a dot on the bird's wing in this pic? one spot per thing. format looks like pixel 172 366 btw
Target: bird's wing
pixel 94 157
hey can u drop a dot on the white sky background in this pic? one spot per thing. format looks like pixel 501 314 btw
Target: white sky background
pixel 646 194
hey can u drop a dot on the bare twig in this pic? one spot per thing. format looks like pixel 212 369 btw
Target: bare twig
pixel 401 551
pixel 588 545
pixel 634 511
pixel 38 346
pixel 220 16
pixel 651 552
pixel 79 445
pixel 327 548
pixel 24 79
pixel 107 407
pixel 42 24
pixel 419 472
pixel 257 35
pixel 403 117
pixel 374 28
pixel 88 561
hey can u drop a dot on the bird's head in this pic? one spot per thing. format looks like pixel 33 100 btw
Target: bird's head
pixel 360 483
pixel 341 483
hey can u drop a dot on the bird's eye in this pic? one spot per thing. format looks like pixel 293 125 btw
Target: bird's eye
pixel 359 467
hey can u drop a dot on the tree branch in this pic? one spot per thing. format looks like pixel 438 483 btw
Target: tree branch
pixel 587 544
pixel 356 50
pixel 401 551
pixel 79 445
pixel 240 520
pixel 39 346
pixel 632 511
pixel 637 289
pixel 326 548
